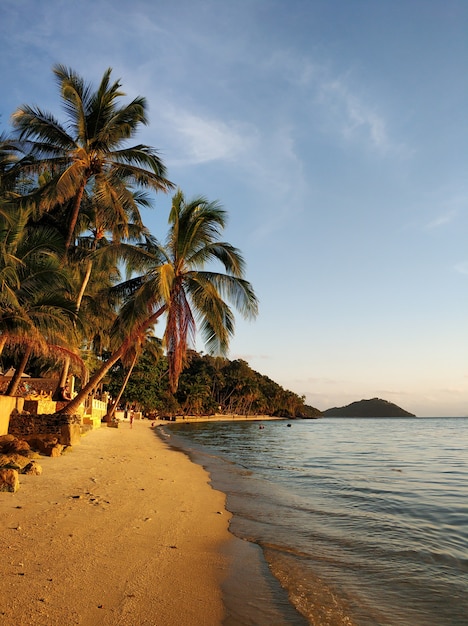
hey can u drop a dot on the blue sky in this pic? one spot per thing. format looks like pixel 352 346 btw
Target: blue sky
pixel 335 134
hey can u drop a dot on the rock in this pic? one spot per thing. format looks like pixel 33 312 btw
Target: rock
pixel 43 443
pixel 31 454
pixel 18 445
pixel 33 469
pixel 13 461
pixel 9 480
pixel 10 443
pixel 4 461
pixel 6 439
pixel 55 450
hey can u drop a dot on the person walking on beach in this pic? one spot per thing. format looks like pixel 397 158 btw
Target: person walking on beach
pixel 131 418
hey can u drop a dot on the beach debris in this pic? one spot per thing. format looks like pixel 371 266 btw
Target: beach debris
pixel 9 480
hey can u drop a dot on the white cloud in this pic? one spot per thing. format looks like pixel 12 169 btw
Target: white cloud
pixel 203 139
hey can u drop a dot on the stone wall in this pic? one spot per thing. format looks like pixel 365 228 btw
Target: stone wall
pixel 66 427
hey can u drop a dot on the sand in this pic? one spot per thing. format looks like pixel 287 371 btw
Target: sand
pixel 120 531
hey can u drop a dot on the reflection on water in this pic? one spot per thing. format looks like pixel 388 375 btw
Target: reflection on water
pixel 363 521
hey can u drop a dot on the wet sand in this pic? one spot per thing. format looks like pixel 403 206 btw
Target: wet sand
pixel 120 531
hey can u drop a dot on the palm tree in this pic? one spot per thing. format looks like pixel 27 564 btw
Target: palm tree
pixel 88 155
pixel 35 313
pixel 176 283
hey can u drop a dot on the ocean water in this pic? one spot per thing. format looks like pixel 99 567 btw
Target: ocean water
pixel 342 520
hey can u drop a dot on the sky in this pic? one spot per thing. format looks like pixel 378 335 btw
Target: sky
pixel 334 133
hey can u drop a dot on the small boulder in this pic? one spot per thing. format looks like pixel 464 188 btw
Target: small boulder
pixel 55 451
pixel 6 439
pixel 33 469
pixel 13 461
pixel 9 480
pixel 10 443
pixel 43 443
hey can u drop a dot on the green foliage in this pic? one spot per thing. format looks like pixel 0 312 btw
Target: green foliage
pixel 207 385
pixel 147 386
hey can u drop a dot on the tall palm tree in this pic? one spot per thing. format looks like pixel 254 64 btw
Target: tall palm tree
pixel 89 153
pixel 35 312
pixel 177 283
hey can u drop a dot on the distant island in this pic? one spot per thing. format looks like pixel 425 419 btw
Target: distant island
pixel 368 408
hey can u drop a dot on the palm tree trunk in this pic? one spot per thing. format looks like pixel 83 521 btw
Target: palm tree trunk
pixel 16 379
pixel 84 284
pixel 111 411
pixel 74 215
pixel 73 405
pixel 3 340
pixel 64 374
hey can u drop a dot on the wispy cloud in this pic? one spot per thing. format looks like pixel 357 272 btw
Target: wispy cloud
pixel 354 117
pixel 337 98
pixel 441 220
pixel 201 139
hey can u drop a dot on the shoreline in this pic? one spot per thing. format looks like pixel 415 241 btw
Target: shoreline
pixel 123 529
pixel 252 594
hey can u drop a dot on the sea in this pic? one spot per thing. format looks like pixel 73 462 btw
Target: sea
pixel 341 521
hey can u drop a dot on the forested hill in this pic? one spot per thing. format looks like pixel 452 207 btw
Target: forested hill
pixel 207 385
pixel 368 408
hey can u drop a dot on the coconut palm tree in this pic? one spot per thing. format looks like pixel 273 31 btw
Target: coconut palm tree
pixel 89 154
pixel 177 281
pixel 35 312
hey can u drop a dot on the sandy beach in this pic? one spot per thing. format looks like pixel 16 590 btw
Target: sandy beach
pixel 119 531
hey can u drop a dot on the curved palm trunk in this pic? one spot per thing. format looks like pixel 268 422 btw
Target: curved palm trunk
pixel 16 379
pixel 73 405
pixel 110 413
pixel 64 375
pixel 84 284
pixel 63 378
pixel 3 340
pixel 74 215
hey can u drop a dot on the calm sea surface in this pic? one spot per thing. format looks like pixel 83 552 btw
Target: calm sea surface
pixel 361 521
